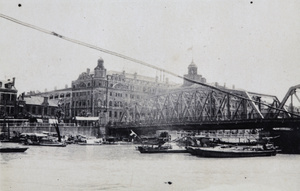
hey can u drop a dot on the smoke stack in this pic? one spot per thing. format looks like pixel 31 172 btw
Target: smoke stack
pixel 45 101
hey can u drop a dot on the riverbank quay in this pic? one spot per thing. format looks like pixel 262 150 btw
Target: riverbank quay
pixel 65 129
pixel 287 139
pixel 122 168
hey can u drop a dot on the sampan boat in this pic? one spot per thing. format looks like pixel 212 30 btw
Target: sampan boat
pixel 13 149
pixel 165 148
pixel 234 151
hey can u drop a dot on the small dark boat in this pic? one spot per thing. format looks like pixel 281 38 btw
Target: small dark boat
pixel 13 149
pixel 165 148
pixel 36 139
pixel 228 151
pixel 56 144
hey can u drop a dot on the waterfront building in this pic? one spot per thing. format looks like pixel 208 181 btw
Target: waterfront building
pixel 235 104
pixel 104 94
pixel 39 109
pixel 100 95
pixel 8 97
pixel 62 96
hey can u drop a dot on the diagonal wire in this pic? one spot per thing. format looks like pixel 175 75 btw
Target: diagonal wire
pixel 128 58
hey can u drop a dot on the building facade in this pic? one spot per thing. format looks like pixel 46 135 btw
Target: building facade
pixel 39 108
pixel 64 98
pixel 193 75
pixel 104 94
pixel 8 98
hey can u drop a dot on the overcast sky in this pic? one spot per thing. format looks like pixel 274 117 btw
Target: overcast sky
pixel 252 44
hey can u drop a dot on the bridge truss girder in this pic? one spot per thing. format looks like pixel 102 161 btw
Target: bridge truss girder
pixel 294 103
pixel 195 105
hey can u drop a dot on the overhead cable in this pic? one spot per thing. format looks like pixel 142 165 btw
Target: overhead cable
pixel 128 58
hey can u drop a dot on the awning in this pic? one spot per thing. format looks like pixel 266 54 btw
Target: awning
pixel 86 118
pixel 53 121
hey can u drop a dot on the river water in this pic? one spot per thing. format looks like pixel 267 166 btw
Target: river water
pixel 121 167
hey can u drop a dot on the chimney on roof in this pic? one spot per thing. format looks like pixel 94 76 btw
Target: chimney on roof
pixel 88 71
pixel 14 81
pixel 66 86
pixel 55 88
pixel 233 86
pixel 45 102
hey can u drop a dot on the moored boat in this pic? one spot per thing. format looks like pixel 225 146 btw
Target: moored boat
pixel 12 149
pixel 193 150
pixel 38 139
pixel 228 151
pixel 165 148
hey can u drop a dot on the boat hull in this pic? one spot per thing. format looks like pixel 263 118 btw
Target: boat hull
pixel 193 150
pixel 207 152
pixel 156 150
pixel 53 145
pixel 47 144
pixel 12 150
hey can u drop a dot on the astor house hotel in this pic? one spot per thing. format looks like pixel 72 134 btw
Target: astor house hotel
pixel 101 95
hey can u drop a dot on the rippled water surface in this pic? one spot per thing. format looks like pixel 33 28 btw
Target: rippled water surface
pixel 121 167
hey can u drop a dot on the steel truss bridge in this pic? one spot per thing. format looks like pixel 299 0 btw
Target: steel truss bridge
pixel 205 107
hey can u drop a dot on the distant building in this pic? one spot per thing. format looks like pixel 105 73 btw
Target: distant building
pixel 64 96
pixel 8 97
pixel 40 108
pixel 193 75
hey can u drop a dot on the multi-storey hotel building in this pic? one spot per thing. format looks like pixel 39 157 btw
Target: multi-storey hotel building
pixel 104 94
